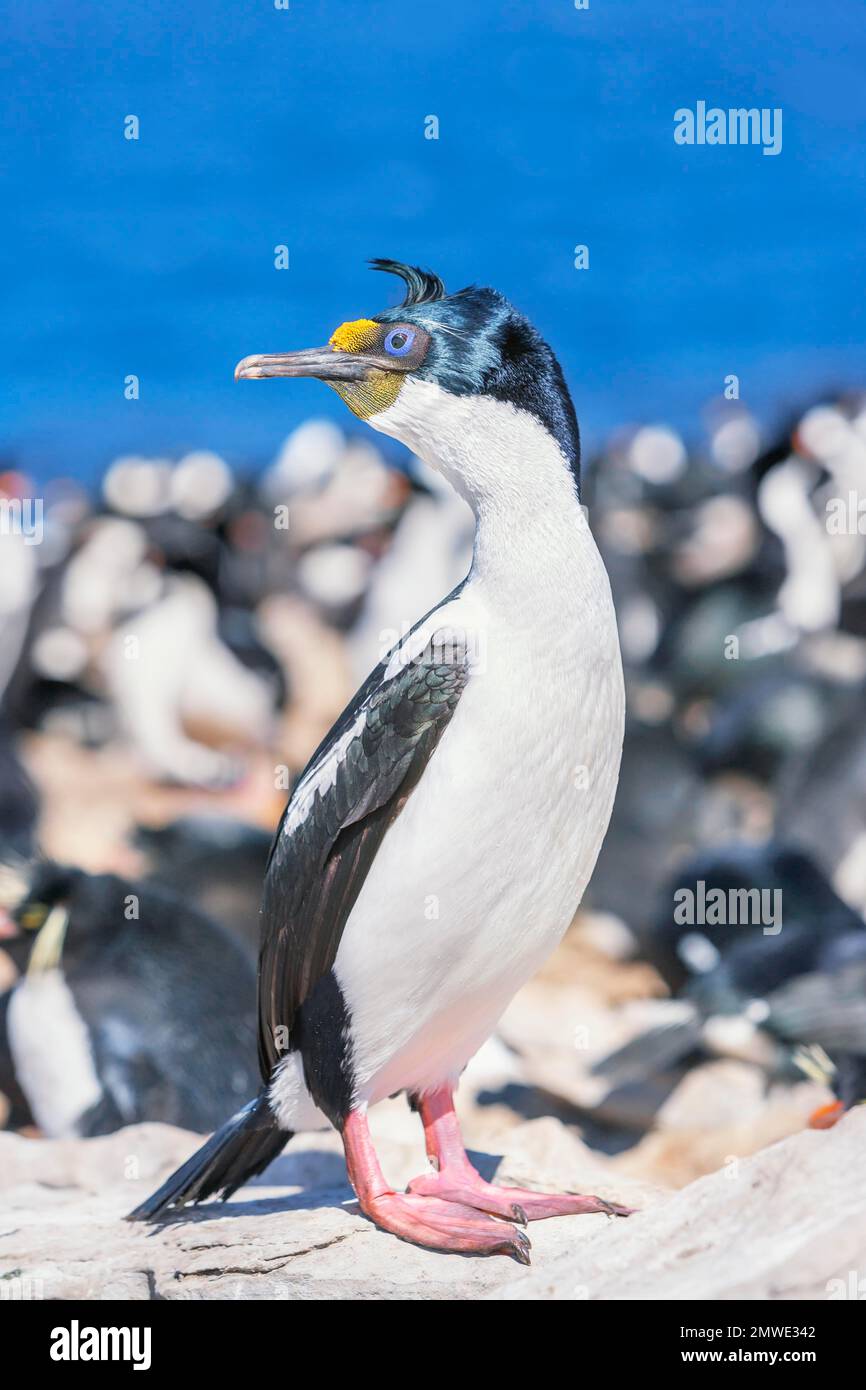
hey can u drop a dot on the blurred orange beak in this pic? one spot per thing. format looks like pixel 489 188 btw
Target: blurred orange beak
pixel 826 1115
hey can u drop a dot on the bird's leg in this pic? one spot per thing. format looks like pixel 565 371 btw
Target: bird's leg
pixel 455 1180
pixel 423 1220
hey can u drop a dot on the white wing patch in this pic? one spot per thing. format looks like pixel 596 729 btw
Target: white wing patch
pixel 441 629
pixel 319 779
pixel 321 776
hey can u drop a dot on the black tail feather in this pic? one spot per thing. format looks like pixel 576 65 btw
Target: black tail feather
pixel 244 1146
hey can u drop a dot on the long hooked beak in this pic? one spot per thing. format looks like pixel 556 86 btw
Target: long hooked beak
pixel 324 363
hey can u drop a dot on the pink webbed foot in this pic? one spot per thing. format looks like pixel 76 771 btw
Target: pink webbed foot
pixel 447 1226
pixel 514 1203
pixel 455 1180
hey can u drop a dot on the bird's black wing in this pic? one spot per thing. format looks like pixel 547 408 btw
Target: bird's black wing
pixel 651 1052
pixel 351 792
pixel 824 1009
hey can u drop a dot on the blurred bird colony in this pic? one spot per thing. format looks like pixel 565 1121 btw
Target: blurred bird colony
pixel 174 647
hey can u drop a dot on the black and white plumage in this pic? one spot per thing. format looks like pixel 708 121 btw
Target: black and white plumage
pixel 19 801
pixel 131 1005
pixel 437 845
pixel 353 790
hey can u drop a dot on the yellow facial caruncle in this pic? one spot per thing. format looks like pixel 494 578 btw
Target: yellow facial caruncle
pixel 33 916
pixel 381 389
pixel 356 335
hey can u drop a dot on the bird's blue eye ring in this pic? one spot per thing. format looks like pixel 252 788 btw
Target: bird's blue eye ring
pixel 399 341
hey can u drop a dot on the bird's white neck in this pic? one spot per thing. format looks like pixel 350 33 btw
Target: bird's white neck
pixel 532 541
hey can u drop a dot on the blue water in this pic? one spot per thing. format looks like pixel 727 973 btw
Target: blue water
pixel 306 127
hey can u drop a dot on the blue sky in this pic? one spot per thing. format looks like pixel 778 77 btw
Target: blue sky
pixel 305 127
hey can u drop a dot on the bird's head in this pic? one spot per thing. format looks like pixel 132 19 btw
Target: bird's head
pixel 34 916
pixel 440 371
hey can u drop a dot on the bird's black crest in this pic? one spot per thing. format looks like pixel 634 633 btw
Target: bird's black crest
pixel 422 286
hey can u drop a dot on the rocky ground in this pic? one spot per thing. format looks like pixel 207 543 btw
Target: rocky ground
pixel 781 1224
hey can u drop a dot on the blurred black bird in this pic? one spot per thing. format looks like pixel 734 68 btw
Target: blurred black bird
pixel 19 803
pixel 821 1019
pixel 768 990
pixel 131 1006
pixel 214 861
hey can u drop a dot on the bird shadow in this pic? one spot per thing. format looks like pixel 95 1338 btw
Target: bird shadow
pixel 610 1132
pixel 321 1178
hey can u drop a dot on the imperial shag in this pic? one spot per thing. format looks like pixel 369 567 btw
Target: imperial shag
pixel 131 1005
pixel 437 845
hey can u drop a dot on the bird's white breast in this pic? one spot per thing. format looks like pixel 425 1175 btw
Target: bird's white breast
pixel 482 872
pixel 51 1050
